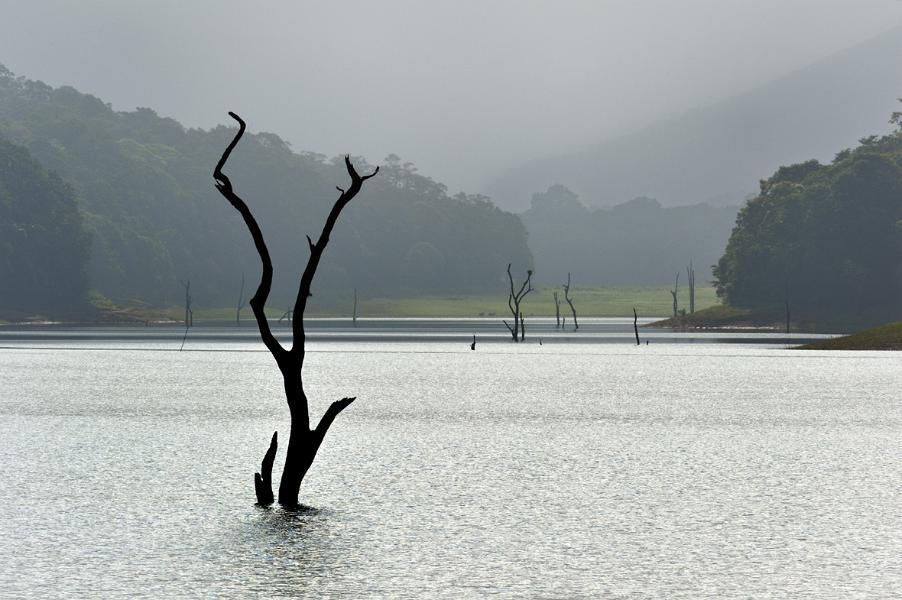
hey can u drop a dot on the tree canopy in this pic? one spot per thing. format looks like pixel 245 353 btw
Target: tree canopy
pixel 43 247
pixel 826 237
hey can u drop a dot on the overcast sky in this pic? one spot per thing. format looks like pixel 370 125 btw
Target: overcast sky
pixel 461 88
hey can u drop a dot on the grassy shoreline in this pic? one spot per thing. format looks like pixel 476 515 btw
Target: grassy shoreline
pixel 589 302
pixel 883 337
pixel 728 318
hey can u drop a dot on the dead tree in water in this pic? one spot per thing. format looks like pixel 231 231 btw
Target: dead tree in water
pixel 557 312
pixel 690 273
pixel 636 325
pixel 673 292
pixel 240 303
pixel 570 302
pixel 303 442
pixel 513 303
pixel 189 313
pixel 786 303
pixel 354 318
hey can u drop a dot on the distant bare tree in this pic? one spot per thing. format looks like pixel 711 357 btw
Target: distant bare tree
pixel 240 302
pixel 303 442
pixel 354 318
pixel 513 303
pixel 189 313
pixel 557 311
pixel 786 303
pixel 690 273
pixel 673 292
pixel 570 302
pixel 636 326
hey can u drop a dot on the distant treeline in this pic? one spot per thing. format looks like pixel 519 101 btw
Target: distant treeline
pixel 43 246
pixel 144 188
pixel 635 243
pixel 827 239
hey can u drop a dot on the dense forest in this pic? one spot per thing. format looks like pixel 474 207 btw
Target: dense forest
pixel 43 246
pixel 144 189
pixel 635 243
pixel 825 238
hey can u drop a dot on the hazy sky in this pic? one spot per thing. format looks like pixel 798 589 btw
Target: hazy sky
pixel 461 88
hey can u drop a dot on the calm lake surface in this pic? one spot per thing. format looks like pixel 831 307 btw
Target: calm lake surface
pixel 597 469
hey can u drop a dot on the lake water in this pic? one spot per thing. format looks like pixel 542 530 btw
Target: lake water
pixel 599 469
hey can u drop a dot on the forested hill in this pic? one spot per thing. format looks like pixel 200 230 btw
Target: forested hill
pixel 825 238
pixel 635 243
pixel 144 188
pixel 43 247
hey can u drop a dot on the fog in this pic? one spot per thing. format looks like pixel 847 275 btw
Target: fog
pixel 463 89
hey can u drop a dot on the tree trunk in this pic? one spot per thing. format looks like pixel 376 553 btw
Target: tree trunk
pixel 513 303
pixel 636 326
pixel 690 272
pixel 557 312
pixel 303 443
pixel 240 303
pixel 570 302
pixel 676 289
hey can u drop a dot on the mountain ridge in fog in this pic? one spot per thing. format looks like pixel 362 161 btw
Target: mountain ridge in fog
pixel 719 153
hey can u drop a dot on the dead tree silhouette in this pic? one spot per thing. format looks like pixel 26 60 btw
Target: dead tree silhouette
pixel 570 302
pixel 303 442
pixel 673 292
pixel 636 325
pixel 513 303
pixel 240 303
pixel 690 273
pixel 189 312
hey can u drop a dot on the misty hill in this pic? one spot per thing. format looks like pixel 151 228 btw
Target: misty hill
pixel 144 188
pixel 635 243
pixel 719 153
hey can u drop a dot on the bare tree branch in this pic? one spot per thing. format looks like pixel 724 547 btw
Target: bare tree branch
pixel 326 421
pixel 570 302
pixel 263 479
pixel 636 325
pixel 513 303
pixel 258 302
pixel 316 252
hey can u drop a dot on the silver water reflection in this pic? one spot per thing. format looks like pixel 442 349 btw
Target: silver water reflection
pixel 678 471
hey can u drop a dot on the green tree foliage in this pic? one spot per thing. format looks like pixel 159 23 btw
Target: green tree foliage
pixel 827 236
pixel 43 247
pixel 635 243
pixel 145 190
